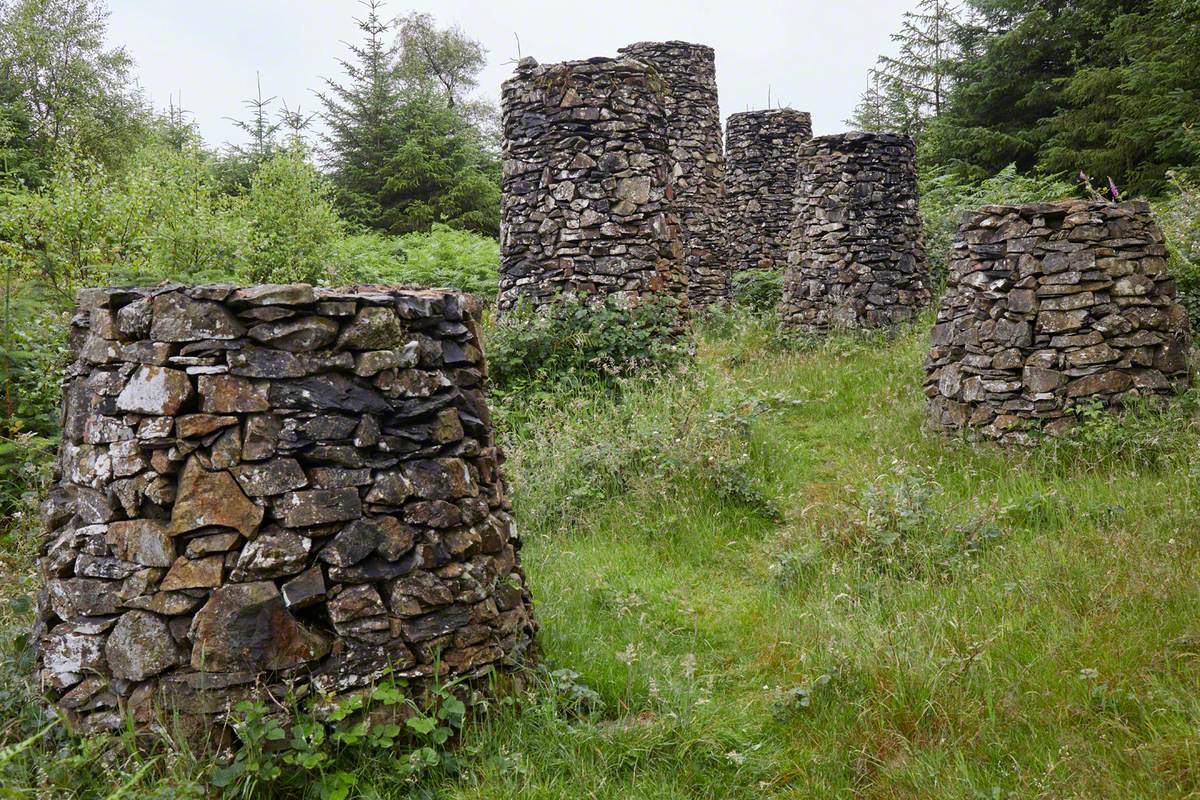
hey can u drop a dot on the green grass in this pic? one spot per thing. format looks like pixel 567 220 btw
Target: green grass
pixel 780 585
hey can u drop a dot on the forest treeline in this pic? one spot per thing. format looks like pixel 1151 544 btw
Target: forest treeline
pixel 96 184
pixel 1109 88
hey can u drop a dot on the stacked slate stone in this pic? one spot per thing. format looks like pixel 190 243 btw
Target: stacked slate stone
pixel 697 160
pixel 272 486
pixel 761 163
pixel 1051 306
pixel 586 207
pixel 856 257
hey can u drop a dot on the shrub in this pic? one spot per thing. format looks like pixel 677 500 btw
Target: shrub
pixel 758 289
pixel 1179 216
pixel 292 222
pixel 161 218
pixel 1145 431
pixel 456 258
pixel 573 449
pixel 184 228
pixel 34 355
pixel 572 340
pixel 441 257
pixel 367 257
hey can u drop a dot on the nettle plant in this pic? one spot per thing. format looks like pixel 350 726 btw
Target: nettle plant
pixel 323 748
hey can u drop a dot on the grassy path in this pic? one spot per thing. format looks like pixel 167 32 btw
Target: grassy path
pixel 925 619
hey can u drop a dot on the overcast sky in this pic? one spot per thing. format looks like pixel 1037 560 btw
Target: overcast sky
pixel 812 55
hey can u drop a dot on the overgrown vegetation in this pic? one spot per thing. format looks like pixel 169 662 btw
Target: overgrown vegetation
pixel 757 290
pixel 379 737
pixel 1179 215
pixel 571 341
pixel 761 577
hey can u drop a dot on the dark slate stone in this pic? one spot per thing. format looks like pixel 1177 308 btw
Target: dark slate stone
pixel 327 393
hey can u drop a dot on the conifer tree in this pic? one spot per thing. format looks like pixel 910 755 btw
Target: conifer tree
pixel 360 118
pixel 870 114
pixel 259 127
pixel 912 86
pixel 401 147
pixel 927 51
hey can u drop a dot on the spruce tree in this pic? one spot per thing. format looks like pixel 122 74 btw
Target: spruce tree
pixel 887 105
pixel 912 86
pixel 927 51
pixel 401 145
pixel 259 127
pixel 360 116
pixel 1012 80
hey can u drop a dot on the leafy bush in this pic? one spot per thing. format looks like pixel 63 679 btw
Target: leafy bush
pixel 945 196
pixel 71 232
pixel 442 257
pixel 165 218
pixel 792 567
pixel 380 731
pixel 182 227
pixel 570 340
pixel 1179 216
pixel 292 222
pixel 758 289
pixel 34 355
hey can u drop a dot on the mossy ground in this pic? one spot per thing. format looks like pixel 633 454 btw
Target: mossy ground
pixel 777 584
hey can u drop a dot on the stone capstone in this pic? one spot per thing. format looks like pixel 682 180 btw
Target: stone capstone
pixel 177 318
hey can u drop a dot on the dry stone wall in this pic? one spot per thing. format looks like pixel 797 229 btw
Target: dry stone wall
pixel 855 257
pixel 693 120
pixel 1050 306
pixel 272 485
pixel 761 166
pixel 586 207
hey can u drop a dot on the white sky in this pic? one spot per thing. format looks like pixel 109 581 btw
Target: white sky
pixel 813 54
